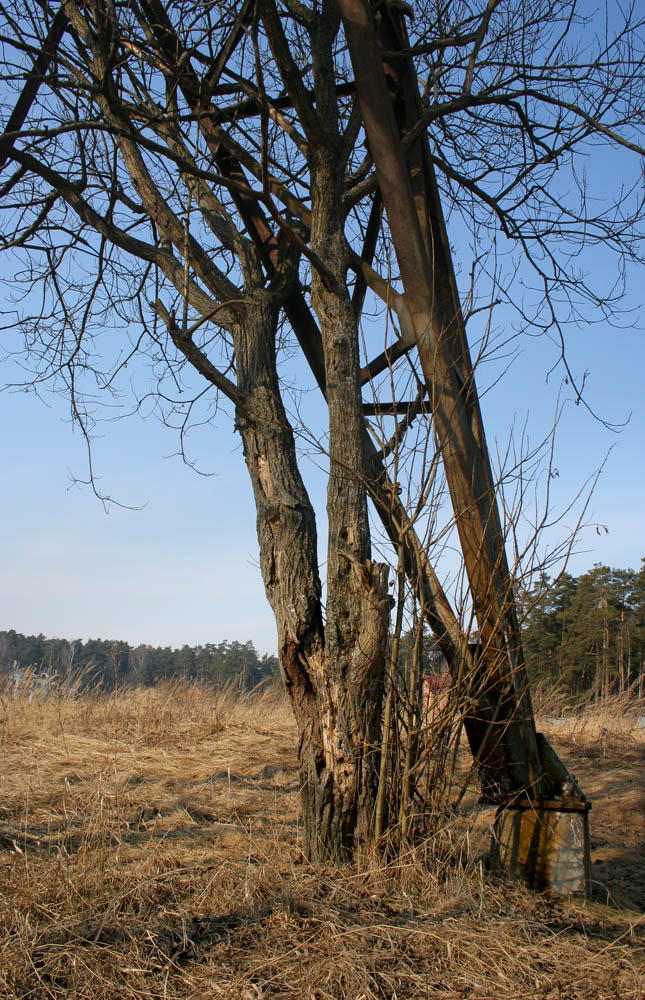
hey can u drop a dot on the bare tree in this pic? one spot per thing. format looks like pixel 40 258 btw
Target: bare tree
pixel 197 185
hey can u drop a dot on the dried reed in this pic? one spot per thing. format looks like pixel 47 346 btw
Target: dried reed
pixel 149 844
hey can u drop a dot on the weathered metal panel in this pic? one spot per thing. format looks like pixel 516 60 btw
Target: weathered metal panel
pixel 546 844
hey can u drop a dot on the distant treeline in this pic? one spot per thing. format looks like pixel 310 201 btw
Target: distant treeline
pixel 108 663
pixel 585 633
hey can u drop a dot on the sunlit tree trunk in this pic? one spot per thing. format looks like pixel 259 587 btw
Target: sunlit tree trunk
pixel 333 669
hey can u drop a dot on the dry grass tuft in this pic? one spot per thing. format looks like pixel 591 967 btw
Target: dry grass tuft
pixel 149 844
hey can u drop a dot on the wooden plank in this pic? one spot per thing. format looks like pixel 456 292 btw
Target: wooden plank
pixel 387 409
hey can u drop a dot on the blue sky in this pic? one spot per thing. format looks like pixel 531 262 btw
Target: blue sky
pixel 184 567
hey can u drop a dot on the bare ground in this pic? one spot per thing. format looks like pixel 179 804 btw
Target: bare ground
pixel 149 847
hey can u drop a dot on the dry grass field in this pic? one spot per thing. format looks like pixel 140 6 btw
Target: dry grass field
pixel 149 847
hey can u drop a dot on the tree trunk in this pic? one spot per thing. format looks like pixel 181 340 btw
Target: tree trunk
pixel 333 671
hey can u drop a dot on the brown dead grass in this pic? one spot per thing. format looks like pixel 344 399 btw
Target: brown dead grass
pixel 149 847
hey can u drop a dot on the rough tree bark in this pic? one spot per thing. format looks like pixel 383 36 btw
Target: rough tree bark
pixel 333 670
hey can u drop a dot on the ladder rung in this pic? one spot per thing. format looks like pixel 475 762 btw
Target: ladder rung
pixel 387 409
pixel 384 360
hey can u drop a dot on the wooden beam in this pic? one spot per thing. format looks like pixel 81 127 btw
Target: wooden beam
pixel 388 409
pixel 384 360
pixel 435 312
pixel 249 107
pixel 367 253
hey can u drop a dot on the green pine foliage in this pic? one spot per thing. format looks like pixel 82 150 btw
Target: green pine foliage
pixel 587 633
